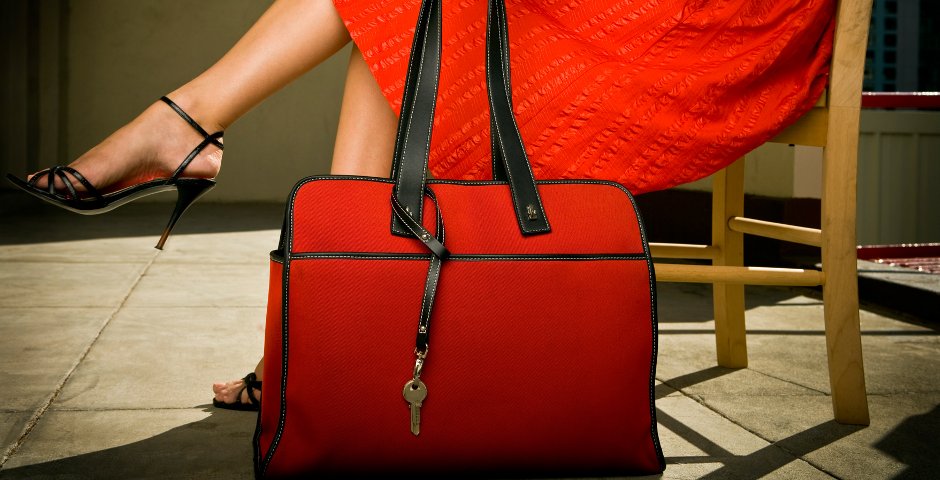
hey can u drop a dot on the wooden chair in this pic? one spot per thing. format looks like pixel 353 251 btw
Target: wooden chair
pixel 834 125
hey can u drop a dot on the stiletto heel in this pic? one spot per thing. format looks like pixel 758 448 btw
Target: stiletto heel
pixel 93 202
pixel 188 190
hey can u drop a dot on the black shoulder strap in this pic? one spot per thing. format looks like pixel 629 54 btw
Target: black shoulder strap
pixel 412 146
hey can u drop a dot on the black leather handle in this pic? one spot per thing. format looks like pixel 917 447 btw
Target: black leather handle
pixel 413 141
pixel 434 243
pixel 525 195
pixel 493 29
pixel 412 145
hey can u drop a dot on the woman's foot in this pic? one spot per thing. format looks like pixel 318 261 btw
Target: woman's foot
pixel 234 392
pixel 151 146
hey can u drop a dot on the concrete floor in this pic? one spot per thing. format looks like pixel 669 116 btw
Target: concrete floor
pixel 108 349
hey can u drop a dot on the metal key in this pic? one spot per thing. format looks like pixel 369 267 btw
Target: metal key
pixel 414 393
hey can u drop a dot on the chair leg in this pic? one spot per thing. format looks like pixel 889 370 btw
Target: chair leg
pixel 727 202
pixel 840 292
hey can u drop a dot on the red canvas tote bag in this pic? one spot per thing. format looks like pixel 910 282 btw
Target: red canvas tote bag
pixel 541 298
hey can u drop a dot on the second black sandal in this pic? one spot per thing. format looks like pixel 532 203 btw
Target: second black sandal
pixel 251 383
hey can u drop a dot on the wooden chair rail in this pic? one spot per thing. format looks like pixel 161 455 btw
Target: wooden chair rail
pixel 810 130
pixel 683 250
pixel 778 231
pixel 671 272
pixel 750 226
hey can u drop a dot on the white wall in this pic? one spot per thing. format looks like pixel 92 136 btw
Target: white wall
pixel 899 177
pixel 777 170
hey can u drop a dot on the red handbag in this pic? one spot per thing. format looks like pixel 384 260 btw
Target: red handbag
pixel 544 333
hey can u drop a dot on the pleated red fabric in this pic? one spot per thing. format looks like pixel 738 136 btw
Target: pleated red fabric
pixel 648 93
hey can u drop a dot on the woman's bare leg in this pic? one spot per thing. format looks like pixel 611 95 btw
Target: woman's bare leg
pixel 291 37
pixel 365 142
pixel 365 138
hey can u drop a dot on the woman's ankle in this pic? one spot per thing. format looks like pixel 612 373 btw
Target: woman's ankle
pixel 200 107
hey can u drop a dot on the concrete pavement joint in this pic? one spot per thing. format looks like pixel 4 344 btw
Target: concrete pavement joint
pixel 196 307
pixel 130 409
pixel 37 415
pixel 217 263
pixel 791 382
pixel 701 401
pixel 885 394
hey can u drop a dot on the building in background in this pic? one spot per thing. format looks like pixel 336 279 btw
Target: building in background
pixel 903 47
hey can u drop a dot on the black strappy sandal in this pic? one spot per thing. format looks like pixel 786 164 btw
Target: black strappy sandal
pixel 251 383
pixel 92 202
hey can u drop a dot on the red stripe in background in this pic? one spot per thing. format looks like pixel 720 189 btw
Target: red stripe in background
pixel 923 100
pixel 923 257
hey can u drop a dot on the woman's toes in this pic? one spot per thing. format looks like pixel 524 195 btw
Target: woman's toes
pixel 229 391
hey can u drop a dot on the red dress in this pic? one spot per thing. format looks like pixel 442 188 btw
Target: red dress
pixel 649 93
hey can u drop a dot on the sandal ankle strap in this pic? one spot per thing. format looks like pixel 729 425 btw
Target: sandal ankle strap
pixel 176 108
pixel 207 138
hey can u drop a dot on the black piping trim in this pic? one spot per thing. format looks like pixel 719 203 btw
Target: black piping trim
pixel 654 319
pixel 262 464
pixel 465 256
pixel 468 183
pixel 256 443
pixel 286 244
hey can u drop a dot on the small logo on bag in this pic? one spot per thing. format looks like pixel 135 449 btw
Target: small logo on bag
pixel 533 214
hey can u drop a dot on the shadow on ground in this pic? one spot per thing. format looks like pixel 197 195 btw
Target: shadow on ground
pixel 911 442
pixel 217 447
pixel 220 447
pixel 914 443
pixel 696 304
pixel 768 459
pixel 27 220
pixel 755 465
